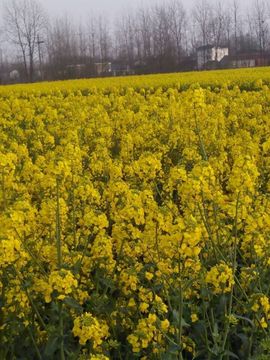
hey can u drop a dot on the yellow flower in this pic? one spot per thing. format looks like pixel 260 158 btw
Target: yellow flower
pixel 263 323
pixel 149 276
pixel 143 307
pixel 194 318
pixel 165 324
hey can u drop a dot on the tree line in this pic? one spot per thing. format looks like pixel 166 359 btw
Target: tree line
pixel 159 38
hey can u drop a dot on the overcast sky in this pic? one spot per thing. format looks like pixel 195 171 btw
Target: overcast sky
pixel 80 8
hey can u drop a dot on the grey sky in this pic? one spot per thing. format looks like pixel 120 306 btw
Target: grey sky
pixel 80 8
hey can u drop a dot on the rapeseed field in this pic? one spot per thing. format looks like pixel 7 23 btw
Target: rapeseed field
pixel 135 218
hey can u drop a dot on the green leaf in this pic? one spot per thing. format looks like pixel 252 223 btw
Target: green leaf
pixel 168 356
pixel 172 353
pixel 70 302
pixel 176 316
pixel 184 323
pixel 176 319
pixel 201 354
pixel 52 346
pixel 245 319
pixel 230 354
pixel 215 333
pixel 174 349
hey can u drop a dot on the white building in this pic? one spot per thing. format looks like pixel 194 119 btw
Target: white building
pixel 14 75
pixel 209 53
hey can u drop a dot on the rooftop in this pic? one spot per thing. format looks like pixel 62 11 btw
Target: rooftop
pixel 208 47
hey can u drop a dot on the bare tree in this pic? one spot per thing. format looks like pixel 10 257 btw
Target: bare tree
pixel 104 39
pixel 82 43
pixel 162 38
pixel 178 18
pixel 92 29
pixel 220 25
pixel 146 33
pixel 62 46
pixel 236 20
pixel 202 15
pixel 228 26
pixel 259 17
pixel 25 21
pixel 125 29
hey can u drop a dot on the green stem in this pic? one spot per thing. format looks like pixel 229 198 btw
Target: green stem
pixel 61 328
pixel 3 190
pixel 180 328
pixel 198 133
pixel 58 228
pixel 35 344
pixel 73 213
pixel 42 323
pixel 180 312
pixel 234 265
pixel 59 258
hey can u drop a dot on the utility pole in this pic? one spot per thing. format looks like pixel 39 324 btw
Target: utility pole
pixel 39 42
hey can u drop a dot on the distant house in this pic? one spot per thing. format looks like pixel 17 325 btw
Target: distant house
pixel 75 70
pixel 209 56
pixel 102 68
pixel 113 69
pixel 119 69
pixel 246 60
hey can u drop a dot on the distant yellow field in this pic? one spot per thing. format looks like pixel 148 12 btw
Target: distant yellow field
pixel 242 77
pixel 135 217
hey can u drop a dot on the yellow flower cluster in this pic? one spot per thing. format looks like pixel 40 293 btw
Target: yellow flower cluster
pixel 62 282
pixel 147 333
pixel 88 328
pixel 261 305
pixel 221 278
pixel 98 357
pixel 10 250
